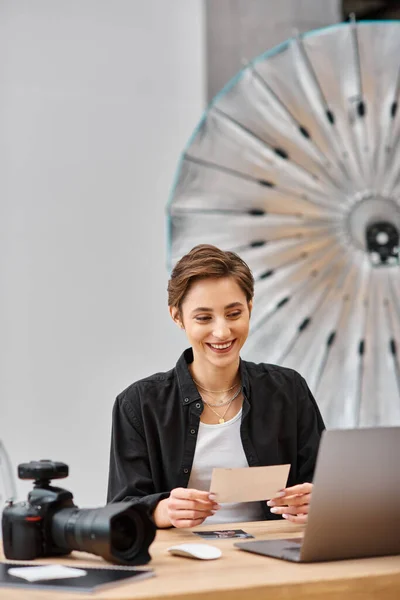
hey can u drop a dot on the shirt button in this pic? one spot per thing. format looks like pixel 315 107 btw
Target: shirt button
pixel 198 405
pixel 186 400
pixel 186 470
pixel 192 431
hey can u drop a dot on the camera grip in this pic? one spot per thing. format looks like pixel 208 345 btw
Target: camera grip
pixel 22 533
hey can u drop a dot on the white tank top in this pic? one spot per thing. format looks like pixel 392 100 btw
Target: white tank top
pixel 221 446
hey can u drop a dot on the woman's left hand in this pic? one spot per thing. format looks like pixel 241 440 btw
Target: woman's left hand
pixel 293 503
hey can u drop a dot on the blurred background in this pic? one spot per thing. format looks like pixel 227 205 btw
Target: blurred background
pixel 97 100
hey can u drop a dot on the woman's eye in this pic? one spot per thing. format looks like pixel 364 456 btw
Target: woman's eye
pixel 235 314
pixel 202 319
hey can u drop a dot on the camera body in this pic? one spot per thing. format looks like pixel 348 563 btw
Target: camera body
pixel 50 524
pixel 26 525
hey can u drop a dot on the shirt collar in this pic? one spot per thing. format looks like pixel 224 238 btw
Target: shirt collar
pixel 244 378
pixel 189 391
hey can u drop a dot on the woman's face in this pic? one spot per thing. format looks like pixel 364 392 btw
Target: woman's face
pixel 216 316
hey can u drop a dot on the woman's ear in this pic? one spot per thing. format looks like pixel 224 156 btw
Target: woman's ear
pixel 176 316
pixel 250 305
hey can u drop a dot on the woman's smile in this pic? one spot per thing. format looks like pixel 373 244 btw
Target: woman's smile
pixel 221 348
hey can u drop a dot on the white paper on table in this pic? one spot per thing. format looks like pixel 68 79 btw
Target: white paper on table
pixel 46 572
pixel 248 484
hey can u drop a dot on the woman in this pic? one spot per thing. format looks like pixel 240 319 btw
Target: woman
pixel 213 409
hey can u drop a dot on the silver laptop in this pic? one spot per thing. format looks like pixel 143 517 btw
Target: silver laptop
pixel 355 505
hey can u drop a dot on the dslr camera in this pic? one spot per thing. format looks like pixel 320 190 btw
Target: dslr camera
pixel 50 524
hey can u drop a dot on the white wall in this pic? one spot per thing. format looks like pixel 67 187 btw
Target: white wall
pixel 97 99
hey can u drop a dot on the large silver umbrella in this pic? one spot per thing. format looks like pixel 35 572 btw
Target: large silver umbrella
pixel 295 166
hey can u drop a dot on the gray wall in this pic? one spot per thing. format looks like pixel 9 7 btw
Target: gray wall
pixel 97 100
pixel 240 30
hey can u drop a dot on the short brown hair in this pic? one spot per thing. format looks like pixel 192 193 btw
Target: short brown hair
pixel 203 262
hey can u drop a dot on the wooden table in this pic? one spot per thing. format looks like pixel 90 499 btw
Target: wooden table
pixel 239 575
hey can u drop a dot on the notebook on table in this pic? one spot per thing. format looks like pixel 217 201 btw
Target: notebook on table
pixel 355 505
pixel 90 579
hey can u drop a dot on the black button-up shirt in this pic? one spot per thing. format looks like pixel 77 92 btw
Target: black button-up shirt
pixel 156 420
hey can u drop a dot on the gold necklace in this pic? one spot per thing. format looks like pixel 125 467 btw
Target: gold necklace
pixel 221 418
pixel 221 404
pixel 213 391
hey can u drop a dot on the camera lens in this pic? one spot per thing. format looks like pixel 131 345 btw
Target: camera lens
pixel 120 532
pixel 123 532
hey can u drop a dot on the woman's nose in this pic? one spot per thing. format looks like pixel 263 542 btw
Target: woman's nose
pixel 222 330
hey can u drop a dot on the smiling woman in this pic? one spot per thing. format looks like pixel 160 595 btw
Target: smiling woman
pixel 213 409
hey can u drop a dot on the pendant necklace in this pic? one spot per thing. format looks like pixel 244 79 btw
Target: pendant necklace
pixel 221 418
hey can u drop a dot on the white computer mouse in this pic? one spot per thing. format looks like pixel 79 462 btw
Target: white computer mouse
pixel 201 551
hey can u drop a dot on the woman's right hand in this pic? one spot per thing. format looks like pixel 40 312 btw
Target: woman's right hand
pixel 185 508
